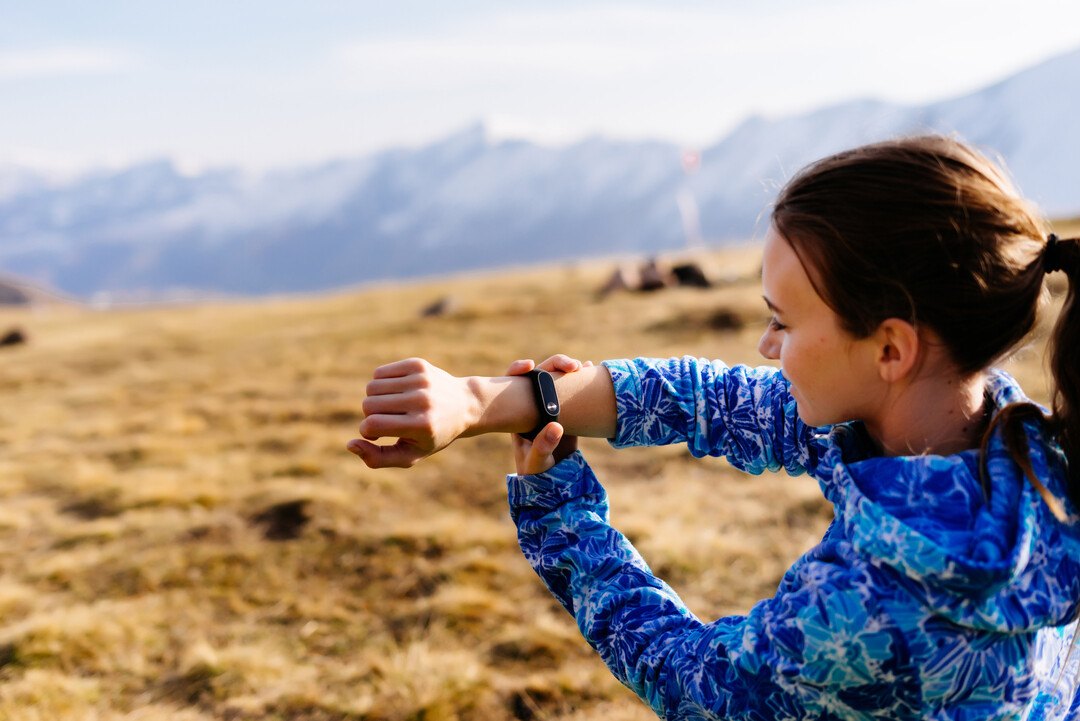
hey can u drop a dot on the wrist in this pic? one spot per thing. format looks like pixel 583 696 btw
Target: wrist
pixel 499 405
pixel 476 405
pixel 545 401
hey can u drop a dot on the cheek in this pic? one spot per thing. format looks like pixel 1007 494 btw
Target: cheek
pixel 803 361
pixel 791 361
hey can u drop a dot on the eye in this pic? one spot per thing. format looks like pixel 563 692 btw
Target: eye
pixel 775 324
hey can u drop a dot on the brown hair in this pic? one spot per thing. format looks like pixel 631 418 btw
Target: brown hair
pixel 929 230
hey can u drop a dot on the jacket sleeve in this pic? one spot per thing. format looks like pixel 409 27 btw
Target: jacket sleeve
pixel 820 647
pixel 745 414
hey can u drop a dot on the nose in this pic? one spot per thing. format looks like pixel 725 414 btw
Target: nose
pixel 769 345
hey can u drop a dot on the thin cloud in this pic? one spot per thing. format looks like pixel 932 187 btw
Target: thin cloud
pixel 582 45
pixel 61 61
pixel 849 47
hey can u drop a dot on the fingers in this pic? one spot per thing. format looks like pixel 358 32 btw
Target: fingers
pixel 559 362
pixel 562 363
pixel 411 426
pixel 519 367
pixel 404 383
pixel 389 386
pixel 399 405
pixel 405 402
pixel 401 368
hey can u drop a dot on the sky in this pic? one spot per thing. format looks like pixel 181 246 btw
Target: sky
pixel 269 83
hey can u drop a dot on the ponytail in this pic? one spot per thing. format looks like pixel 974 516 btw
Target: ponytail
pixel 1064 255
pixel 1064 420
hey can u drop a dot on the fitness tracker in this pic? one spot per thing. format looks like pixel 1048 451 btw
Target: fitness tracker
pixel 547 400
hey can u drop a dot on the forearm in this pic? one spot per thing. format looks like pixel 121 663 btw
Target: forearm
pixel 745 414
pixel 426 409
pixel 642 630
pixel 506 404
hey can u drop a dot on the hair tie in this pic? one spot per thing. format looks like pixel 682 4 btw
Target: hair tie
pixel 1052 254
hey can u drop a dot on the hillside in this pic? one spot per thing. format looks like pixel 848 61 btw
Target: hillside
pixel 184 538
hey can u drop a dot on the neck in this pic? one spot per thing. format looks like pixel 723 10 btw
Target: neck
pixel 936 414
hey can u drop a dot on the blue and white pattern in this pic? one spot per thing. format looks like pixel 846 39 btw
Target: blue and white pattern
pixel 924 600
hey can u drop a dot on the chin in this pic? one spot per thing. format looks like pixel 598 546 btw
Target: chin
pixel 812 419
pixel 821 420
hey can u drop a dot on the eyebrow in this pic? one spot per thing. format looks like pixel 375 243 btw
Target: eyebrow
pixel 772 307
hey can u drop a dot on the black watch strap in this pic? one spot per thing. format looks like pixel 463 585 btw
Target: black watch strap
pixel 547 400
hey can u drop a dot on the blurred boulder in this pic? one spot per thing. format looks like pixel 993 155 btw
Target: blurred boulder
pixel 690 275
pixel 438 308
pixel 283 521
pixel 15 336
pixel 726 319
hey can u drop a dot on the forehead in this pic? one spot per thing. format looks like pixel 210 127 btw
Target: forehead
pixel 783 278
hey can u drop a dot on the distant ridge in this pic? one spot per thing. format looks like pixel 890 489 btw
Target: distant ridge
pixel 16 291
pixel 468 202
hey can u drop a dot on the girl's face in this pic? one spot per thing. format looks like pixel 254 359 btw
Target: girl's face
pixel 833 375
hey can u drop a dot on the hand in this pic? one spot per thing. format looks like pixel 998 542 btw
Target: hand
pixel 556 363
pixel 424 407
pixel 548 448
pixel 550 445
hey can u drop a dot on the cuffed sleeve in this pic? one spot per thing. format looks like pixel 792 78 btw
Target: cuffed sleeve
pixel 745 414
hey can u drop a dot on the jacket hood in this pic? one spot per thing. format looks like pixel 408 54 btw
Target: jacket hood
pixel 993 562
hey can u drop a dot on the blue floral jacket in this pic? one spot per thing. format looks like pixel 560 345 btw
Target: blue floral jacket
pixel 924 600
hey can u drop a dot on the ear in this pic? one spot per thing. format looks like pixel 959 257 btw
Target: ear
pixel 898 347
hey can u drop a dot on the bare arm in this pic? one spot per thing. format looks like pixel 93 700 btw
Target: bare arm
pixel 426 408
pixel 586 395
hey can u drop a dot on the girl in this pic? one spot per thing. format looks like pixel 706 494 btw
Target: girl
pixel 898 274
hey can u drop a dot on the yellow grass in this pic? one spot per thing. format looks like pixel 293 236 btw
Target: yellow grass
pixel 1068 228
pixel 145 573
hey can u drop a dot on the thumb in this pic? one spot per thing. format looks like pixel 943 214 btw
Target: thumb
pixel 539 457
pixel 398 455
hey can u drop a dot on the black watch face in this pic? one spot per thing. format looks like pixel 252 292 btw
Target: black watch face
pixel 549 400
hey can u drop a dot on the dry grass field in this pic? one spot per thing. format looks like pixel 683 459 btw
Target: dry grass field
pixel 184 537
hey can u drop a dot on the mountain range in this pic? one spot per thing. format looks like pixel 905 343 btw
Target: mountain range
pixel 470 202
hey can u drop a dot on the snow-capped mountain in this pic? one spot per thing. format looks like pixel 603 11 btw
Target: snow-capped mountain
pixel 469 202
